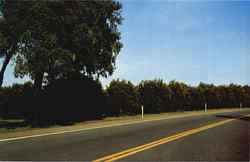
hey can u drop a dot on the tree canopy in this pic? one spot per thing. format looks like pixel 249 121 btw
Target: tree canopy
pixel 122 97
pixel 61 38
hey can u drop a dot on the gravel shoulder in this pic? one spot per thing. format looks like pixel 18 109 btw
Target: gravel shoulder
pixel 107 122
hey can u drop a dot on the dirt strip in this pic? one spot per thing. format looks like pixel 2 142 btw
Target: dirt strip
pixel 108 122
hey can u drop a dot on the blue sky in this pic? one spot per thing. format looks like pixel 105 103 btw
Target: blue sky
pixel 189 41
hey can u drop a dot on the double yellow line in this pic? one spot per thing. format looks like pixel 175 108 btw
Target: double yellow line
pixel 134 150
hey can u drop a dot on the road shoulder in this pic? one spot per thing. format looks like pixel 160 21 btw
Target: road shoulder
pixel 108 122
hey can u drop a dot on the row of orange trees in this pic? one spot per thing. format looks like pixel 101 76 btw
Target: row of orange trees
pixel 157 96
pixel 79 99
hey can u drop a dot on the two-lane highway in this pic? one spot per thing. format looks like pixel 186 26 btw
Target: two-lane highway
pixel 222 136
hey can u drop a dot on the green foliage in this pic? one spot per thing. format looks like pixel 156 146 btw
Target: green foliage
pixel 195 99
pixel 9 38
pixel 122 98
pixel 179 95
pixel 78 98
pixel 13 100
pixel 155 95
pixel 66 101
pixel 57 38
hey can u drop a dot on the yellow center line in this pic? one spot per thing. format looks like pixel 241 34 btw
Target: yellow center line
pixel 134 150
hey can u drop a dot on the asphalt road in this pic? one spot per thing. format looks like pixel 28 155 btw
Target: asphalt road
pixel 226 142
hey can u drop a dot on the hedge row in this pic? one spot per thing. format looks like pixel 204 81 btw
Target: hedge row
pixel 63 102
pixel 79 99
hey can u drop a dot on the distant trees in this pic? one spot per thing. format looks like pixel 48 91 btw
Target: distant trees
pixel 122 98
pixel 196 99
pixel 179 95
pixel 155 95
pixel 79 98
pixel 246 95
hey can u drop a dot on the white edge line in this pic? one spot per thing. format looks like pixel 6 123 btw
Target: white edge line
pixel 62 132
pixel 113 125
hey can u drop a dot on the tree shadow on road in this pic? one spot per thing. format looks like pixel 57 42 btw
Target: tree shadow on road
pixel 238 117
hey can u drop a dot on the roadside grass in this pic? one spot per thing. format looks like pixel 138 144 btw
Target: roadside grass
pixel 171 113
pixel 12 125
pixel 8 126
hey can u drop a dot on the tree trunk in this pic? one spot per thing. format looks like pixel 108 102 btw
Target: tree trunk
pixel 5 63
pixel 38 81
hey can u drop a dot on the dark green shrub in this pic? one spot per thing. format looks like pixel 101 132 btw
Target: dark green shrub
pixel 66 101
pixel 122 98
pixel 155 96
pixel 15 99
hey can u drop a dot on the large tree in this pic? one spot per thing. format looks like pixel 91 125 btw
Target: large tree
pixel 62 37
pixel 10 34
